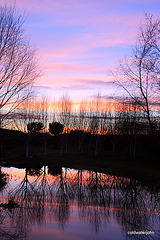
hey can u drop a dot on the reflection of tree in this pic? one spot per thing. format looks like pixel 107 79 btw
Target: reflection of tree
pixel 99 197
pixel 134 206
pixel 7 230
pixel 3 180
pixel 35 170
pixel 94 207
pixel 54 171
pixel 44 190
pixel 132 201
pixel 64 193
pixel 29 210
pixel 136 209
pixel 55 192
pixel 81 188
pixel 97 194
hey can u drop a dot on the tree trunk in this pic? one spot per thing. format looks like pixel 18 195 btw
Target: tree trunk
pixel 2 149
pixel 62 142
pixel 80 147
pixel 27 149
pixel 113 147
pixel 45 140
pixel 45 148
pixel 66 147
pixel 96 147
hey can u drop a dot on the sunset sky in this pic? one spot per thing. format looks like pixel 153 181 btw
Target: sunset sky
pixel 80 41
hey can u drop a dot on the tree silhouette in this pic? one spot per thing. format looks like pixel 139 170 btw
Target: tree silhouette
pixel 17 60
pixel 55 128
pixel 139 73
pixel 34 127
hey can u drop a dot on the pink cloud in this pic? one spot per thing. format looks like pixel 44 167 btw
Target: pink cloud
pixel 82 46
pixel 35 5
pixel 82 12
pixel 109 28
pixel 61 67
pixel 73 81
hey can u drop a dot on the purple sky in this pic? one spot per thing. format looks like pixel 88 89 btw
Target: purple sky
pixel 80 41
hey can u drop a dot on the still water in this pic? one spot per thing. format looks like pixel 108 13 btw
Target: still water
pixel 59 203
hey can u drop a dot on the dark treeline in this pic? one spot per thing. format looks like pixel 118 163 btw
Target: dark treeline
pixel 99 125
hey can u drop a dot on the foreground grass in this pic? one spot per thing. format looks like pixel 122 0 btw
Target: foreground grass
pixel 145 168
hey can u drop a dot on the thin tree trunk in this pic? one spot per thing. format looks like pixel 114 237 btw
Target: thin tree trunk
pixel 45 148
pixel 62 142
pixel 97 143
pixel 113 147
pixel 2 149
pixel 27 149
pixel 66 147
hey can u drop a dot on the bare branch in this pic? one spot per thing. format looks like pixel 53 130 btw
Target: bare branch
pixel 18 63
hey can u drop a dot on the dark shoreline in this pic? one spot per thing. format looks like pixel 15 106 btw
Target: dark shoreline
pixel 116 164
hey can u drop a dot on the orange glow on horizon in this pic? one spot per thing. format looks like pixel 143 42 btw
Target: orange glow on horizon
pixel 99 106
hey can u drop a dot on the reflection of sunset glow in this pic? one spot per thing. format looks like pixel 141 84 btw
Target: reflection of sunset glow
pixel 15 173
pixel 76 201
pixel 71 176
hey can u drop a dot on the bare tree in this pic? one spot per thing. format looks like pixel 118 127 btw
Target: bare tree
pixel 26 115
pixel 66 109
pixel 17 60
pixel 113 130
pixel 44 116
pixel 82 124
pixel 140 72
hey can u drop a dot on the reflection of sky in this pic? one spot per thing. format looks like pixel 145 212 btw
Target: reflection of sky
pixel 79 220
pixel 81 40
pixel 77 230
pixel 15 176
pixel 75 226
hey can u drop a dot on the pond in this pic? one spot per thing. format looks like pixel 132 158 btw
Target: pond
pixel 60 203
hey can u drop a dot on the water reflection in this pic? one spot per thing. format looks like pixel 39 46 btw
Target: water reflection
pixel 3 179
pixel 7 214
pixel 52 193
